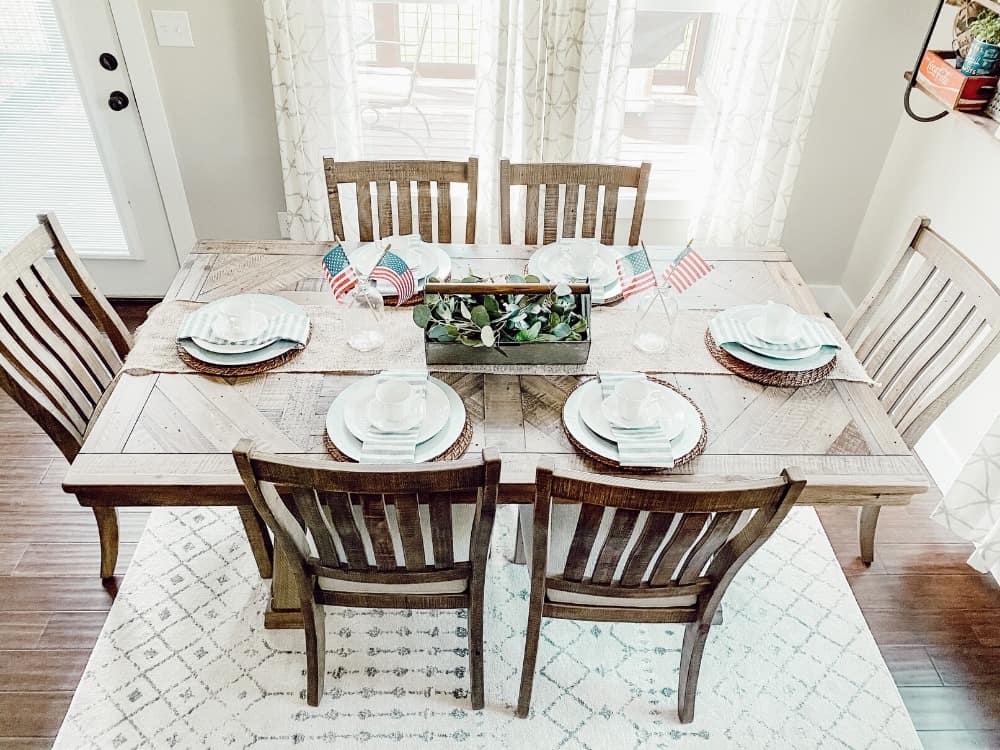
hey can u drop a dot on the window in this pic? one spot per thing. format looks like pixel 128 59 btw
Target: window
pixel 417 78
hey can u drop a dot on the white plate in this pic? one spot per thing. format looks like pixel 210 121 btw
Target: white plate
pixel 758 329
pixel 682 445
pixel 791 354
pixel 350 446
pixel 265 305
pixel 358 396
pixel 228 355
pixel 435 261
pixel 600 289
pixel 593 414
pixel 822 357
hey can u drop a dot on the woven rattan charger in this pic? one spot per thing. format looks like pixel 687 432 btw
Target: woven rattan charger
pixel 762 375
pixel 255 368
pixel 692 454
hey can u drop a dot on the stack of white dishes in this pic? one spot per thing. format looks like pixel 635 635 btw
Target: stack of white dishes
pixel 379 406
pixel 598 419
pixel 578 260
pixel 775 337
pixel 244 330
pixel 425 259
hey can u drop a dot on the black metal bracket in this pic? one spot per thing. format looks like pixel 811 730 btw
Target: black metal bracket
pixel 910 84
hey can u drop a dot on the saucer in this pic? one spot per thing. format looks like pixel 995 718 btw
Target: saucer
pixel 757 327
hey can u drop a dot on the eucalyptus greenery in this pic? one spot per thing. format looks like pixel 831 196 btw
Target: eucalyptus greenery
pixel 986 27
pixel 489 320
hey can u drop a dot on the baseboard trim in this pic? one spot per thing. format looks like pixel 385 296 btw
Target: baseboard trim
pixel 834 300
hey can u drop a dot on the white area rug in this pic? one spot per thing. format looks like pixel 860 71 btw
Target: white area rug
pixel 184 661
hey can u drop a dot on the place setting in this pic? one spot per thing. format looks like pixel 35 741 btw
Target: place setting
pixel 243 335
pixel 635 422
pixel 425 260
pixel 772 344
pixel 397 416
pixel 571 260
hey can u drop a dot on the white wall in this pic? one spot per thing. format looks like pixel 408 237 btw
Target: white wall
pixel 218 100
pixel 854 120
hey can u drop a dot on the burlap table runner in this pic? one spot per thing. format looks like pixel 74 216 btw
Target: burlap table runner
pixel 155 347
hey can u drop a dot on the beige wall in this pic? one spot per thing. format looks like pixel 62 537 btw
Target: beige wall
pixel 218 100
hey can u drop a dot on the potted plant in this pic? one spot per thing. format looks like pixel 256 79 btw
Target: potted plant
pixel 516 321
pixel 984 51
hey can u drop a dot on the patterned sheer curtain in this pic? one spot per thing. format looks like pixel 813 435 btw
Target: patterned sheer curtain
pixel 764 70
pixel 551 85
pixel 314 74
pixel 971 508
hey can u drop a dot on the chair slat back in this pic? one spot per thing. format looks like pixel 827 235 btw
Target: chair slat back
pixel 929 326
pixel 554 184
pixel 640 539
pixel 55 360
pixel 365 522
pixel 394 182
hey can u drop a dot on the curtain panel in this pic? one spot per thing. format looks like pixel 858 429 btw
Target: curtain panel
pixel 314 76
pixel 971 508
pixel 763 71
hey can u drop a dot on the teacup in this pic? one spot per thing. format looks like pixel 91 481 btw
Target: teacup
pixel 406 246
pixel 581 257
pixel 632 397
pixel 779 322
pixel 238 321
pixel 396 405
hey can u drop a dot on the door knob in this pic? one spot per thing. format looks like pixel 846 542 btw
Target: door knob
pixel 117 101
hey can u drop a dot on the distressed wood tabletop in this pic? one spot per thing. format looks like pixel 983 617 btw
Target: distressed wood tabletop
pixel 168 437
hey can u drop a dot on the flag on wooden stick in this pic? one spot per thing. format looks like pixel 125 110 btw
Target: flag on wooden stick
pixel 635 273
pixel 394 270
pixel 339 272
pixel 686 269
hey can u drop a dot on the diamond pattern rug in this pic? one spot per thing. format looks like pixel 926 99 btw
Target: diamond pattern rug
pixel 184 661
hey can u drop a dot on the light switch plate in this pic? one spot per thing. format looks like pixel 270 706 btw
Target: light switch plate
pixel 173 28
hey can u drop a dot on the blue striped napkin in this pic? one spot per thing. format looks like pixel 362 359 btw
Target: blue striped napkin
pixel 394 447
pixel 290 327
pixel 637 446
pixel 730 327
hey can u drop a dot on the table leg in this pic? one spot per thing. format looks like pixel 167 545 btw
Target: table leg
pixel 284 610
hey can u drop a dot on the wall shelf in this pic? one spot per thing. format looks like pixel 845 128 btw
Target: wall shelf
pixel 977 120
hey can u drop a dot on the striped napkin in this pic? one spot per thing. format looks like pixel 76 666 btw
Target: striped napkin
pixel 637 446
pixel 394 447
pixel 289 327
pixel 730 327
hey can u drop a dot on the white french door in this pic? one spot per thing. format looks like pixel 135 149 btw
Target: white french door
pixel 72 141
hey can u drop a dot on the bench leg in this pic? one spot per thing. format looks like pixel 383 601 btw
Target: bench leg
pixel 867 521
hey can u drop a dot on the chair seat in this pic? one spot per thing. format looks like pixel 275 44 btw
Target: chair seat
pixel 458 586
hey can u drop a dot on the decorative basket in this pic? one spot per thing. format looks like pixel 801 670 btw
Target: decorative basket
pixel 528 353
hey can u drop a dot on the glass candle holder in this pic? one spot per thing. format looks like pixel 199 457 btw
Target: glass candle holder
pixel 656 315
pixel 365 316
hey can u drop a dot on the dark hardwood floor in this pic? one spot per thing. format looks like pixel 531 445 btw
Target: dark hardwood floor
pixel 935 619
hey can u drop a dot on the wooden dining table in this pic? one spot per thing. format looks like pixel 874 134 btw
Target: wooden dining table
pixel 166 438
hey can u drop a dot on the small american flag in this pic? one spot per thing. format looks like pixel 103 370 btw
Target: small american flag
pixel 686 269
pixel 635 273
pixel 394 270
pixel 339 272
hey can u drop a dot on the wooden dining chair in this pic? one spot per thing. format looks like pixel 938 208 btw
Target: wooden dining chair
pixel 927 329
pixel 406 536
pixel 619 550
pixel 58 363
pixel 562 184
pixel 384 175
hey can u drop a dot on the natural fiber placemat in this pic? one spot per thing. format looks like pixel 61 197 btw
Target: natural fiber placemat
pixel 255 368
pixel 692 454
pixel 761 374
pixel 454 452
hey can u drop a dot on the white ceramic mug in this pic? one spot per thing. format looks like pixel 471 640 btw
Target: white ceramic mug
pixel 395 404
pixel 779 321
pixel 581 257
pixel 633 398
